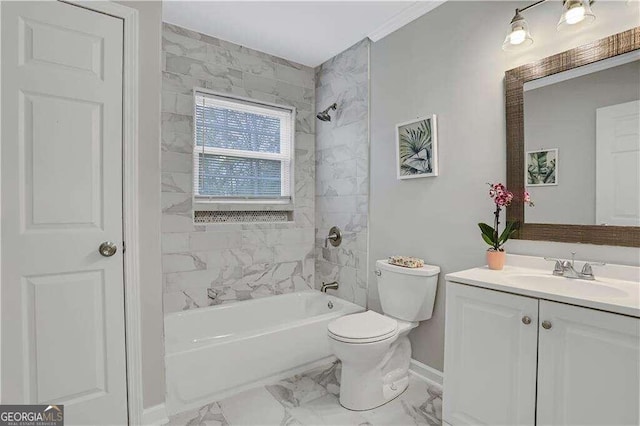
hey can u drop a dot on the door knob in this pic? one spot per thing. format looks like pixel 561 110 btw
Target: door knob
pixel 546 325
pixel 107 249
pixel 526 320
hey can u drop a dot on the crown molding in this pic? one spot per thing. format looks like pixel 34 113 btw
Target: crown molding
pixel 409 14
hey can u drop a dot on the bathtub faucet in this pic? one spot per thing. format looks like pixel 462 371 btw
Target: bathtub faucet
pixel 327 286
pixel 212 293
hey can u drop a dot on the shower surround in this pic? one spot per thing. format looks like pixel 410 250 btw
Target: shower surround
pixel 236 261
pixel 342 171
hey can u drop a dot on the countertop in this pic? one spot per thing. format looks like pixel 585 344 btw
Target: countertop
pixel 625 297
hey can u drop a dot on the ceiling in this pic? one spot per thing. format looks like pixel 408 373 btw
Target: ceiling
pixel 307 32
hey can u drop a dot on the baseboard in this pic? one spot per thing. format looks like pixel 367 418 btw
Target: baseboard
pixel 155 416
pixel 425 372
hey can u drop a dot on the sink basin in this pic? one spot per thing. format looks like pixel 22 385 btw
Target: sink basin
pixel 591 289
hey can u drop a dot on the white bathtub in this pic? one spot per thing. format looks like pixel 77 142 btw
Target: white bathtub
pixel 212 351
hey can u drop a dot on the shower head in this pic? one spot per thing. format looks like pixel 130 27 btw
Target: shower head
pixel 324 115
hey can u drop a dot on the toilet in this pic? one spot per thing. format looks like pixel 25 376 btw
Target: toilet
pixel 374 348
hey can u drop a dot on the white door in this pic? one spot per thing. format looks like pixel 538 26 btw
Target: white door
pixel 490 357
pixel 588 367
pixel 618 164
pixel 62 307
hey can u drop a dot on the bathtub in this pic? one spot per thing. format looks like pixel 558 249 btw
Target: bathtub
pixel 216 350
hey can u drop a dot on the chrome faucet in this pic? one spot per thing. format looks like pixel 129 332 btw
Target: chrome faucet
pixel 329 286
pixel 212 293
pixel 566 268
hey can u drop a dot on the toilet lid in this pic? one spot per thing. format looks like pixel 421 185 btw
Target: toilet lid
pixel 364 327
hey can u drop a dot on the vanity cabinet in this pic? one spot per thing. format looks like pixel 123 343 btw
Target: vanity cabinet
pixel 518 360
pixel 490 357
pixel 588 367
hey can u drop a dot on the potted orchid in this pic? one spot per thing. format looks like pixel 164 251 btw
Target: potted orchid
pixel 491 235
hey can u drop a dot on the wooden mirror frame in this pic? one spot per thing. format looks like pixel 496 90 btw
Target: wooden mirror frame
pixel 515 79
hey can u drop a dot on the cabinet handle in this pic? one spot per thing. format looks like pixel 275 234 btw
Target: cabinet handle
pixel 546 325
pixel 526 320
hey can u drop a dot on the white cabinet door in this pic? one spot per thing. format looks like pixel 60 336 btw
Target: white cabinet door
pixel 588 367
pixel 490 357
pixel 61 197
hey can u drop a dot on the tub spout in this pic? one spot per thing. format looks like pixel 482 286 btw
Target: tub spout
pixel 327 286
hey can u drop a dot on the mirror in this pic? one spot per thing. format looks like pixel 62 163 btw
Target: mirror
pixel 573 142
pixel 582 144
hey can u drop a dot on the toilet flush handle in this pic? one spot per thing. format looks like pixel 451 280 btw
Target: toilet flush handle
pixel 378 272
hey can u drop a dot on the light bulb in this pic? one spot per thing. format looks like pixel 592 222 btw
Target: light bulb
pixel 518 36
pixel 574 15
pixel 575 12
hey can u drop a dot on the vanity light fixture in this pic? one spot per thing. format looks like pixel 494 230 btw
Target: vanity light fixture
pixel 518 35
pixel 573 12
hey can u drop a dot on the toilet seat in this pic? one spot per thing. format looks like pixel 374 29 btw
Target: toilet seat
pixel 365 327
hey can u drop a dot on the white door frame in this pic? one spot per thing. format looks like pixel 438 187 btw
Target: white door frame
pixel 130 80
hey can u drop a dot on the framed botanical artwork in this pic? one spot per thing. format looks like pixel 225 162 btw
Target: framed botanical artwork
pixel 541 167
pixel 417 148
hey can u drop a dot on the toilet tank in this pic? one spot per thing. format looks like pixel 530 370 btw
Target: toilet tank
pixel 407 293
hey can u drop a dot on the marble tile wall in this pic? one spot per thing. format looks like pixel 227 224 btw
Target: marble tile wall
pixel 342 171
pixel 237 262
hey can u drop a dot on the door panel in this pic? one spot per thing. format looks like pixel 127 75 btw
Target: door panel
pixel 588 367
pixel 62 140
pixel 618 164
pixel 82 372
pixel 490 357
pixel 62 303
pixel 53 45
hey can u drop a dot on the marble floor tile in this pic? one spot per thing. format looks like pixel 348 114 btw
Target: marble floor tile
pixel 311 398
pixel 254 407
pixel 328 377
pixel 296 391
pixel 420 404
pixel 329 412
pixel 209 415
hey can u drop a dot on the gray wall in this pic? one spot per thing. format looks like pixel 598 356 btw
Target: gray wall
pixel 449 62
pixel 342 171
pixel 238 261
pixel 152 328
pixel 563 116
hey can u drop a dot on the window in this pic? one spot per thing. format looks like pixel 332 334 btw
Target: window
pixel 242 150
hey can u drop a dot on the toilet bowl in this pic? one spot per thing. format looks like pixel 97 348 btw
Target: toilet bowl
pixel 374 349
pixel 375 354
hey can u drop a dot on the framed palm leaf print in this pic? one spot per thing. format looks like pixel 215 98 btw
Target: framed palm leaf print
pixel 541 167
pixel 417 148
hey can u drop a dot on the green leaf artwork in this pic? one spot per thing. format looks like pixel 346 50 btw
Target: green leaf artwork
pixel 416 148
pixel 542 167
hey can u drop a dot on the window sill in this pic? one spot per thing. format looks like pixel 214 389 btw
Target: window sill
pixel 245 206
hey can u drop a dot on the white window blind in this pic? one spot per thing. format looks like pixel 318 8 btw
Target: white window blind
pixel 242 150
